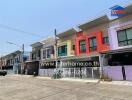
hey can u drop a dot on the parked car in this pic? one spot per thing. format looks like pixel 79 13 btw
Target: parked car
pixel 3 72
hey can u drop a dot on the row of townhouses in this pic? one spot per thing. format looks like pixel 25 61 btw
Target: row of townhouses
pixel 102 49
pixel 13 62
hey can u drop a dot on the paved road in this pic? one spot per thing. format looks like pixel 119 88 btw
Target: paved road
pixel 28 88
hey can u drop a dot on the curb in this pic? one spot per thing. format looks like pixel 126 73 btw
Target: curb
pixel 47 78
pixel 70 79
pixel 19 76
pixel 125 83
pixel 80 80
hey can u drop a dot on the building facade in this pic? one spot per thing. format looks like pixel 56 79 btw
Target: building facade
pixel 119 57
pixel 102 48
pixel 93 38
pixel 89 43
pixel 32 65
pixel 65 43
pixel 12 62
pixel 48 62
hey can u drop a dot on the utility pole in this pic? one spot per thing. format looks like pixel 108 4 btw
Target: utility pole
pixel 1 62
pixel 22 59
pixel 55 32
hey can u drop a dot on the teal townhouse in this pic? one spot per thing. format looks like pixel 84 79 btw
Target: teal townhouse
pixel 65 44
pixel 66 52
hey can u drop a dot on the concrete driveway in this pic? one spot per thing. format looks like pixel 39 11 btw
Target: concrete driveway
pixel 29 88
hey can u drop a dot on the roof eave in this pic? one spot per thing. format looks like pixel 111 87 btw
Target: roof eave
pixel 94 22
pixel 66 33
pixel 36 44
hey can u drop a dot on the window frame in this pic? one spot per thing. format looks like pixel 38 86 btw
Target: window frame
pixel 94 46
pixel 80 46
pixel 60 53
pixel 127 40
pixel 48 52
pixel 106 40
pixel 44 50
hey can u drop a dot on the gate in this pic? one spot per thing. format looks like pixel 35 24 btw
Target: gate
pixel 128 72
pixel 46 72
pixel 118 73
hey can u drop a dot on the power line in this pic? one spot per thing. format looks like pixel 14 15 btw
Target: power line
pixel 20 31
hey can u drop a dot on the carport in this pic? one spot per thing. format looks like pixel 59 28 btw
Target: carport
pixel 85 67
pixel 119 64
pixel 31 67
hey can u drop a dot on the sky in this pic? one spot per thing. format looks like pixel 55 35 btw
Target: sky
pixel 28 21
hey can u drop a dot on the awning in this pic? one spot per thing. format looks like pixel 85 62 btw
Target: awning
pixel 32 61
pixel 124 50
pixel 83 58
pixel 47 60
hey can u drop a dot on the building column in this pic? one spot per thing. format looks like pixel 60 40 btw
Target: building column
pixel 61 64
pixel 101 58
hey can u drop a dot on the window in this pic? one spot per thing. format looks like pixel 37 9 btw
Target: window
pixel 62 50
pixel 48 53
pixel 125 37
pixel 33 56
pixel 39 53
pixel 105 40
pixel 82 46
pixel 52 49
pixel 93 44
pixel 44 54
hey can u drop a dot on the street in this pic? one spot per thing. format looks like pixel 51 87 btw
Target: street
pixel 30 88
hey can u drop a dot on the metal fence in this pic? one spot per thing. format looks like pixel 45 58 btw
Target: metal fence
pixel 46 72
pixel 86 72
